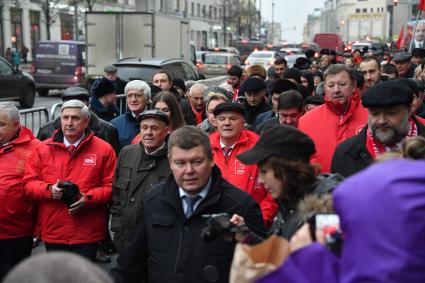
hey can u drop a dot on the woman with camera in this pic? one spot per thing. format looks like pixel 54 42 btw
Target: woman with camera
pixel 282 154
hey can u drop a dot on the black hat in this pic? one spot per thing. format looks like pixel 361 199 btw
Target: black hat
pixel 179 83
pixel 418 52
pixel 75 92
pixel 314 99
pixel 254 84
pixel 154 90
pixel 102 87
pixel 281 85
pixel 387 94
pixel 229 106
pixel 292 73
pixel 153 113
pixel 402 57
pixel 280 140
pixel 410 83
pixel 110 69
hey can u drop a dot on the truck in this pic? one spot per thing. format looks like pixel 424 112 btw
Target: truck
pixel 331 41
pixel 112 36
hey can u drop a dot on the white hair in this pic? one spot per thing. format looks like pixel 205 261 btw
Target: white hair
pixel 11 111
pixel 74 103
pixel 139 85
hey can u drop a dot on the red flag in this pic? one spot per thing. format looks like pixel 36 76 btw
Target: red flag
pixel 421 5
pixel 400 40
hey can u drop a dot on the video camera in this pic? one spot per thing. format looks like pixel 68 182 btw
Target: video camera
pixel 219 225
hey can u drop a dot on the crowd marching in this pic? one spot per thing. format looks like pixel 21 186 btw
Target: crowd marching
pixel 337 134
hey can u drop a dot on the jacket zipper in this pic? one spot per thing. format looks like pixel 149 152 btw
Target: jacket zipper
pixel 178 255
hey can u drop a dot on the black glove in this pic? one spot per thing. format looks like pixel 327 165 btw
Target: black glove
pixel 70 192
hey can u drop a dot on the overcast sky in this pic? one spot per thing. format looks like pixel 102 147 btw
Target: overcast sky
pixel 290 13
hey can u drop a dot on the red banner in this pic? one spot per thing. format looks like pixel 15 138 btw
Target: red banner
pixel 421 5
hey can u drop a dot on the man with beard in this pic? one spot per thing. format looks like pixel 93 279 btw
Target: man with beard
pixel 234 78
pixel 371 70
pixel 389 122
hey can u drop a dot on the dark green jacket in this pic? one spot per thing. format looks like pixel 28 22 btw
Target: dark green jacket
pixel 136 173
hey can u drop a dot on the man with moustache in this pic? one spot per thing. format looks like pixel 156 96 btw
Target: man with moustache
pixel 389 122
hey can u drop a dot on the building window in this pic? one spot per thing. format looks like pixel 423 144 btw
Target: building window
pixel 177 5
pixel 215 13
pixel 371 10
pixel 204 11
pixel 198 10
pixel 220 15
pixel 186 7
pixel 357 11
pixel 16 27
pixel 67 27
pixel 364 10
pixel 210 12
pixel 35 27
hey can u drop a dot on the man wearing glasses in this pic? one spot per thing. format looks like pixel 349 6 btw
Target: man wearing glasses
pixel 138 95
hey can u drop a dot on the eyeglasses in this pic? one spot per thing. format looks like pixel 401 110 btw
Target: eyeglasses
pixel 135 95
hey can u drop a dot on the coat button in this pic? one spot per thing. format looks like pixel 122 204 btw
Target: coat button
pixel 179 275
pixel 186 229
pixel 133 199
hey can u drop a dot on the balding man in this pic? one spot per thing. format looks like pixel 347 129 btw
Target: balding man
pixel 195 113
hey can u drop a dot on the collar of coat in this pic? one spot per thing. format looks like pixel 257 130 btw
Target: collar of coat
pixel 57 138
pixel 171 194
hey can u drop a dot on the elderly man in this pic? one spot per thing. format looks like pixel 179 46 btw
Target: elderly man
pixel 389 122
pixel 100 128
pixel 195 113
pixel 70 177
pixel 140 166
pixel 371 71
pixel 167 245
pixel 231 139
pixel 17 216
pixel 290 109
pixel 419 40
pixel 138 95
pixel 404 66
pixel 341 117
pixel 102 103
pixel 111 74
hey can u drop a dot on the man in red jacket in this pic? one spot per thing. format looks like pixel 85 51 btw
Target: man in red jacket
pixel 75 155
pixel 16 212
pixel 342 116
pixel 230 140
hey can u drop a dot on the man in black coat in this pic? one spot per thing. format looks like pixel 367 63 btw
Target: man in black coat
pixel 389 123
pixel 254 90
pixel 100 128
pixel 167 245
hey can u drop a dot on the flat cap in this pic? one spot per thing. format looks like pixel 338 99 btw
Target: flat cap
pixel 153 113
pixel 75 92
pixel 229 107
pixel 402 56
pixel 110 69
pixel 280 140
pixel 387 94
pixel 254 84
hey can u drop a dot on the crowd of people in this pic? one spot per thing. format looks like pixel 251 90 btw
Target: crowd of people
pixel 262 147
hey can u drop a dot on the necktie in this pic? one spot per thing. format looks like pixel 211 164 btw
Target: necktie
pixel 190 204
pixel 226 152
pixel 71 148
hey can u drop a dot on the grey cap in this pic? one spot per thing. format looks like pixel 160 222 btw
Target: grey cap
pixel 110 69
pixel 153 113
pixel 402 56
pixel 75 92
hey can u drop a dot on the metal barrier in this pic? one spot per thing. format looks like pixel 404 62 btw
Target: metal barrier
pixel 121 103
pixel 35 117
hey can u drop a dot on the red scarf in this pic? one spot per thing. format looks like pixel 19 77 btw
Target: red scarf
pixel 375 148
pixel 198 115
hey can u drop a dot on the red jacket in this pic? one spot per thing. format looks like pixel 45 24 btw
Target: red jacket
pixel 91 167
pixel 328 129
pixel 243 176
pixel 17 215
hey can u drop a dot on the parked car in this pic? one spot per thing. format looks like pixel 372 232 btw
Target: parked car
pixel 16 85
pixel 217 64
pixel 226 49
pixel 200 59
pixel 264 58
pixel 58 65
pixel 143 69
